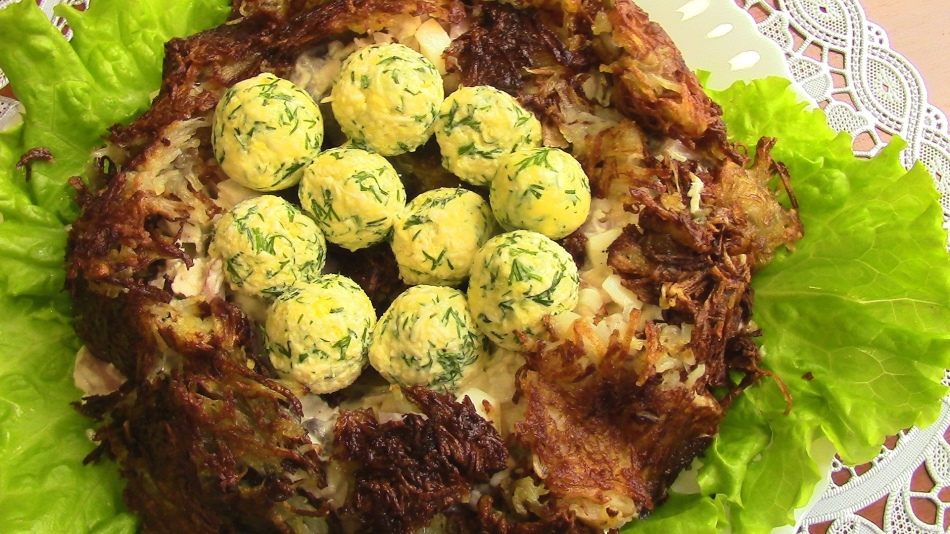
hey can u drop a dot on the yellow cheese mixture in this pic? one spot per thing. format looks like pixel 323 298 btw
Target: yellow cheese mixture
pixel 265 131
pixel 427 337
pixel 477 127
pixel 354 196
pixel 267 245
pixel 541 189
pixel 517 279
pixel 387 97
pixel 436 237
pixel 318 333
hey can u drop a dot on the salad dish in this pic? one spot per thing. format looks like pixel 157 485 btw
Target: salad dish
pixel 463 267
pixel 612 353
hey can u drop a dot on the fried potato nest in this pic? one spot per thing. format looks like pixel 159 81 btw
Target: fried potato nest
pixel 604 415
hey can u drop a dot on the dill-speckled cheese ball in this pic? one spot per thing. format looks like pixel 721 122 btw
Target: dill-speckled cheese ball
pixel 544 190
pixel 387 97
pixel 318 333
pixel 427 337
pixel 436 237
pixel 478 126
pixel 265 131
pixel 354 196
pixel 267 245
pixel 517 279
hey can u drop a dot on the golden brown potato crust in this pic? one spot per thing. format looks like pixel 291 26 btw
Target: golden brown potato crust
pixel 210 442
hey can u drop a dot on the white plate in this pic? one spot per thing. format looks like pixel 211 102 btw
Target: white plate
pixel 719 37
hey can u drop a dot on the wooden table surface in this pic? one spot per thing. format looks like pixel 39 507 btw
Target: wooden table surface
pixel 919 31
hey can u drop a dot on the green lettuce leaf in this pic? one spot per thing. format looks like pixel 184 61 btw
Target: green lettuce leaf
pixel 72 93
pixel 855 319
pixel 44 485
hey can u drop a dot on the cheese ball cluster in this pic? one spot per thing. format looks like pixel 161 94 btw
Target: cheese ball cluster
pixel 517 279
pixel 427 337
pixel 265 130
pixel 318 333
pixel 387 96
pixel 541 189
pixel 321 330
pixel 354 196
pixel 267 245
pixel 436 237
pixel 477 127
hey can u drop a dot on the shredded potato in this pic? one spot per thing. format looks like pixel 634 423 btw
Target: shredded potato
pixel 578 422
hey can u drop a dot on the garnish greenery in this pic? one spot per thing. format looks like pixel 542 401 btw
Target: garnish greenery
pixel 860 308
pixel 72 91
pixel 854 320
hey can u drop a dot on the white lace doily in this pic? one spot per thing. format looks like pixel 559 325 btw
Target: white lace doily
pixel 843 62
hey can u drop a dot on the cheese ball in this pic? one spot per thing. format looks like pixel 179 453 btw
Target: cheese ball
pixel 544 190
pixel 436 237
pixel 318 333
pixel 477 127
pixel 268 245
pixel 354 196
pixel 387 96
pixel 427 337
pixel 517 279
pixel 265 130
